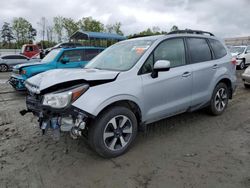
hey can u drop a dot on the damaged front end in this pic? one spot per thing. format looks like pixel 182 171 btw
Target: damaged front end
pixel 54 109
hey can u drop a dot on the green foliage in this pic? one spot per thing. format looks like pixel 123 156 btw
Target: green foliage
pixel 90 24
pixel 58 27
pixel 6 34
pixel 115 28
pixel 70 26
pixel 23 31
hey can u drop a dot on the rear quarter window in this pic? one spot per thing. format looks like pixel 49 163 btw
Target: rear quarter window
pixel 218 49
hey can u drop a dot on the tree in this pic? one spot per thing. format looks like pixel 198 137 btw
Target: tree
pixel 23 31
pixel 90 24
pixel 70 26
pixel 42 24
pixel 115 28
pixel 6 33
pixel 58 27
pixel 174 28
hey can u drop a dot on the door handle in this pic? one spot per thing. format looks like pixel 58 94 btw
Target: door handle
pixel 215 66
pixel 186 74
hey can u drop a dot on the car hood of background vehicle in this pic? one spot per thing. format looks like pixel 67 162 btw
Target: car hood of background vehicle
pixel 57 76
pixel 235 54
pixel 28 64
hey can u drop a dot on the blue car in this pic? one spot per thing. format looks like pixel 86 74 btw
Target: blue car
pixel 57 59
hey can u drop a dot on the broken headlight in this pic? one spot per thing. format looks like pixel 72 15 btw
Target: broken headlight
pixel 64 98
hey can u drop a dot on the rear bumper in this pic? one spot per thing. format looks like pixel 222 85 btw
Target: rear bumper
pixel 17 83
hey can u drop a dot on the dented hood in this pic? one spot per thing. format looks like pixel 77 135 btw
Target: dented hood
pixel 53 77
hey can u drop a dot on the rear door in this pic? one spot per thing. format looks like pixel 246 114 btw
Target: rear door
pixel 204 69
pixel 170 92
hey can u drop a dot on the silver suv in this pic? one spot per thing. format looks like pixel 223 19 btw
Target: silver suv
pixel 134 83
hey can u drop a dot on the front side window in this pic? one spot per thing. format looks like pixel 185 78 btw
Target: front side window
pixel 120 56
pixel 172 50
pixel 199 50
pixel 218 49
pixel 73 55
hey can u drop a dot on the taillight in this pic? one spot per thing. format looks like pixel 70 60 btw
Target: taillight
pixel 234 61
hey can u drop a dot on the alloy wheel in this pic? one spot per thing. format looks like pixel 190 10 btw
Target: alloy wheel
pixel 221 99
pixel 117 133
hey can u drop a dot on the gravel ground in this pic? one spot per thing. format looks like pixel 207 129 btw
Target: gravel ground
pixel 188 150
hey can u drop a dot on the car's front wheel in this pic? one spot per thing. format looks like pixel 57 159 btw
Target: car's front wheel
pixel 219 99
pixel 242 65
pixel 113 132
pixel 3 68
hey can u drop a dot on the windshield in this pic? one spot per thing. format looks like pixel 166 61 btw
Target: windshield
pixel 121 56
pixel 237 49
pixel 50 56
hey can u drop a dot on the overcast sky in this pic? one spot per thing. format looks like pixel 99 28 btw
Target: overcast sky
pixel 225 18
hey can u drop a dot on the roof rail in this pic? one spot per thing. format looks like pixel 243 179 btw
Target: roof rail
pixel 189 31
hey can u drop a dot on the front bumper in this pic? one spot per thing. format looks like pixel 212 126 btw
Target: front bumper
pixel 246 78
pixel 17 82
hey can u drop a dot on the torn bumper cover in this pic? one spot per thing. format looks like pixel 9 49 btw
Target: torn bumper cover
pixel 17 83
pixel 69 119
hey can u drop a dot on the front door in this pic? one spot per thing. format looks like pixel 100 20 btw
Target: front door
pixel 75 59
pixel 169 93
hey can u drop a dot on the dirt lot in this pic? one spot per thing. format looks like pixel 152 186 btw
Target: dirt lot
pixel 189 150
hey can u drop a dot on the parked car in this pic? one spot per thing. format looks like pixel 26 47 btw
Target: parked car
pixel 61 45
pixel 242 55
pixel 246 77
pixel 7 62
pixel 134 83
pixel 57 58
pixel 30 50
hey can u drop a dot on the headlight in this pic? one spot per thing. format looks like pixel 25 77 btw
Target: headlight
pixel 63 99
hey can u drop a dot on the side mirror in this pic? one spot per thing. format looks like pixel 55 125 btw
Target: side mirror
pixel 159 66
pixel 65 60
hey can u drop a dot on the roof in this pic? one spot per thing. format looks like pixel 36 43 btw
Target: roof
pixel 85 35
pixel 82 47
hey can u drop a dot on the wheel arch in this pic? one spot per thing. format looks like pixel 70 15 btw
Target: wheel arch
pixel 228 83
pixel 130 104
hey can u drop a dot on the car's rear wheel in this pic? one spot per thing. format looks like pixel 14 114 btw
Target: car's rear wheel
pixel 113 132
pixel 3 68
pixel 219 99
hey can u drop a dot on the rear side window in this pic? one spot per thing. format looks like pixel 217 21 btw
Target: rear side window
pixel 199 50
pixel 218 49
pixel 90 54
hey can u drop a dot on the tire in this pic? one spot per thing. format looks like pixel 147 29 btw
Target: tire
pixel 219 100
pixel 3 68
pixel 247 86
pixel 242 65
pixel 108 141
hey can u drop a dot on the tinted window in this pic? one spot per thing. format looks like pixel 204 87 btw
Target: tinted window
pixel 199 50
pixel 218 48
pixel 29 48
pixel 172 50
pixel 14 57
pixel 90 54
pixel 73 55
